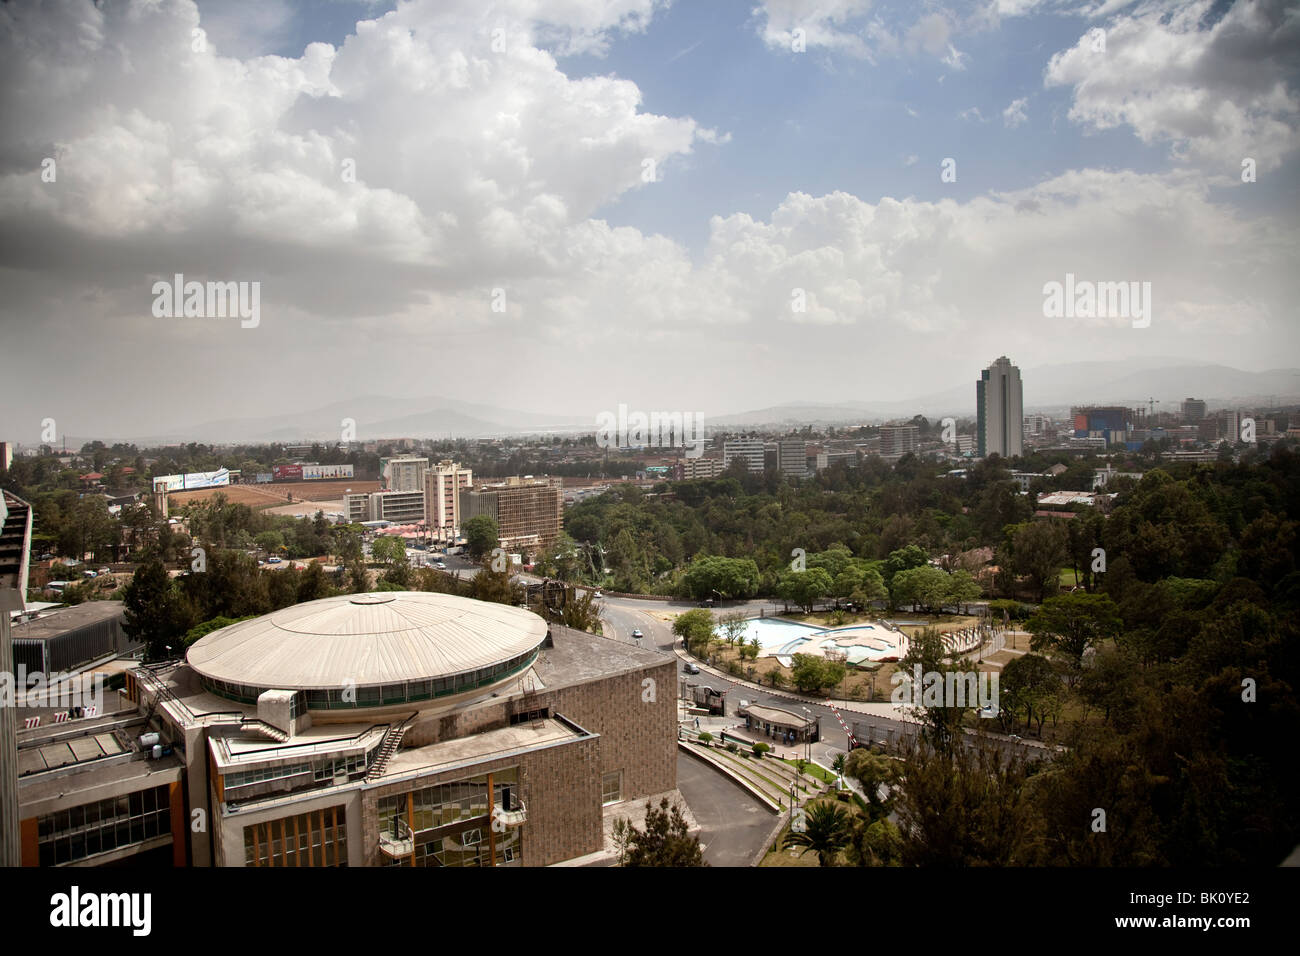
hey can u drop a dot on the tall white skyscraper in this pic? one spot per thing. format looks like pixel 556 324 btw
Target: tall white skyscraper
pixel 1000 408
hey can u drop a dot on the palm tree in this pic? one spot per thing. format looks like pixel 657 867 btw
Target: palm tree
pixel 838 766
pixel 826 831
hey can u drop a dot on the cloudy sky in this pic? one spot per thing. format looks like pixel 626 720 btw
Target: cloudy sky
pixel 560 205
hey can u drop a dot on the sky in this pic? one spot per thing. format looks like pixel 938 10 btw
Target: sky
pixel 564 205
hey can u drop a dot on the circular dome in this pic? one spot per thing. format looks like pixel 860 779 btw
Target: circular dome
pixel 403 645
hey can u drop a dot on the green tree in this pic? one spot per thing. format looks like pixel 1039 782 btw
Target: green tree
pixel 825 831
pixel 666 840
pixel 878 776
pixel 481 535
pixel 812 673
pixel 695 626
pixel 155 613
pixel 1069 624
pixel 1038 550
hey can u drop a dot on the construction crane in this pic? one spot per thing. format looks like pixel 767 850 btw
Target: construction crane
pixel 1151 405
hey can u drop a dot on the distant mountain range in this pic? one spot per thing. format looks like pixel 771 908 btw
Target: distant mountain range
pixel 1052 388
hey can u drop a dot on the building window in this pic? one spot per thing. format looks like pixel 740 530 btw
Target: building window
pixel 315 838
pixel 104 826
pixel 611 788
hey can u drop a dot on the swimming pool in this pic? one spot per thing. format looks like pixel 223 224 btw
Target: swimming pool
pixel 861 642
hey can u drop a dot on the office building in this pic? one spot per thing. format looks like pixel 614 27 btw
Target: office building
pixel 527 510
pixel 898 440
pixel 700 467
pixel 443 484
pixel 383 729
pixel 1193 410
pixel 1000 410
pixel 748 450
pixel 403 473
pixel 15 554
pixel 792 457
pixel 399 507
pixel 1113 423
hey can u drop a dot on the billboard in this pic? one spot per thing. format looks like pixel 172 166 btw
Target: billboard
pixel 193 480
pixel 287 472
pixel 321 472
pixel 262 477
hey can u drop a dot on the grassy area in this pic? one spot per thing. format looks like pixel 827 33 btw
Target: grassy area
pixel 793 857
pixel 815 770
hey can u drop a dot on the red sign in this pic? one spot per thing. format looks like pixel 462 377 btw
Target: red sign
pixel 287 472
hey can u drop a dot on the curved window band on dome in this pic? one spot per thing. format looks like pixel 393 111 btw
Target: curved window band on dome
pixel 381 695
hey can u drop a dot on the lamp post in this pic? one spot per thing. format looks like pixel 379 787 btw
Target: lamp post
pixel 807 739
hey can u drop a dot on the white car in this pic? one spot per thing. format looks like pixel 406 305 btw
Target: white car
pixel 636 632
pixel 441 565
pixel 596 595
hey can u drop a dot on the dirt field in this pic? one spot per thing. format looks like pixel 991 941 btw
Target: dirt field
pixel 262 496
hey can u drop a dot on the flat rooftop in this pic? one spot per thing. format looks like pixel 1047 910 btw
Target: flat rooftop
pixel 135 772
pixel 481 747
pixel 51 624
pixel 578 657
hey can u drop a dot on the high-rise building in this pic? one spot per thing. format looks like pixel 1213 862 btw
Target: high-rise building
pixel 443 484
pixel 1000 408
pixel 399 507
pixel 6 456
pixel 1193 410
pixel 792 457
pixel 897 440
pixel 748 450
pixel 527 510
pixel 403 473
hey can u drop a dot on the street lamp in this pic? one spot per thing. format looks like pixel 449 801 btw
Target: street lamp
pixel 807 739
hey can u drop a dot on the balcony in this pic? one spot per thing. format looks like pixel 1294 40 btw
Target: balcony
pixel 396 840
pixel 505 819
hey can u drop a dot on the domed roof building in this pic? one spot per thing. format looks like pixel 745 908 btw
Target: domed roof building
pixel 370 650
pixel 407 728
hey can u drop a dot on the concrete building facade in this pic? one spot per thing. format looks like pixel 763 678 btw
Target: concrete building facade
pixel 1000 410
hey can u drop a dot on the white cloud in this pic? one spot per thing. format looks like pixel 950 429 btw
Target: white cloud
pixel 1214 94
pixel 1014 115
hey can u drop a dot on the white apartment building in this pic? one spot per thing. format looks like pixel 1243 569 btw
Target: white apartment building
pixel 443 484
pixel 748 450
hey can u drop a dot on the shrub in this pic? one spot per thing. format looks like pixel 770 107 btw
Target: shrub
pixel 705 737
pixel 759 749
pixel 731 746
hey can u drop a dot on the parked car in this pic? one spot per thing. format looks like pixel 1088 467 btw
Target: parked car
pixel 596 595
pixel 441 565
pixel 273 560
pixel 90 574
pixel 105 570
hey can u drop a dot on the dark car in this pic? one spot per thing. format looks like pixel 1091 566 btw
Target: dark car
pixel 690 668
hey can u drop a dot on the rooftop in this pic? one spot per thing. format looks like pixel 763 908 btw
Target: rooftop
pixel 367 639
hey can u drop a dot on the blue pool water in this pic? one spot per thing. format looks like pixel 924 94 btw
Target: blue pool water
pixel 777 638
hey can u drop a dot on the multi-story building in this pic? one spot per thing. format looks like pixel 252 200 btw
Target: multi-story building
pixel 1000 410
pixel 385 729
pixel 1193 410
pixel 403 473
pixel 897 440
pixel 1229 425
pixel 748 450
pixel 399 507
pixel 792 457
pixel 1109 422
pixel 443 484
pixel 527 510
pixel 6 456
pixel 701 467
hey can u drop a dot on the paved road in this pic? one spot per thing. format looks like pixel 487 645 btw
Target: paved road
pixel 733 825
